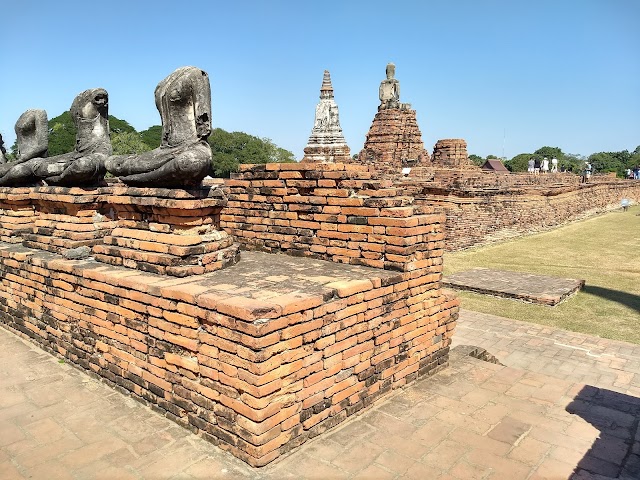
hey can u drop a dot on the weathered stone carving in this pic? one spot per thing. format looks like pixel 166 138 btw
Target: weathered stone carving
pixel 3 151
pixel 389 91
pixel 326 143
pixel 394 140
pixel 184 158
pixel 82 167
pixel 32 136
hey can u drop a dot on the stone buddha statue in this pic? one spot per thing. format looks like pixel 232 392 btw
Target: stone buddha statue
pixel 80 168
pixel 184 157
pixel 389 90
pixel 32 137
pixel 3 151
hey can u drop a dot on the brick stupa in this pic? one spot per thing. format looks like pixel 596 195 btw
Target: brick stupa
pixel 394 139
pixel 452 153
pixel 326 143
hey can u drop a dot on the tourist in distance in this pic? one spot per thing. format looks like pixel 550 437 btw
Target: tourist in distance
pixel 536 166
pixel 530 165
pixel 545 165
pixel 554 165
pixel 587 172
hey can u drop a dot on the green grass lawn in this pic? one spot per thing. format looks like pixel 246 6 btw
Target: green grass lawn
pixel 604 251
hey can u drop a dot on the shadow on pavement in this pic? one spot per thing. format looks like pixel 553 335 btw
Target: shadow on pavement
pixel 627 299
pixel 616 451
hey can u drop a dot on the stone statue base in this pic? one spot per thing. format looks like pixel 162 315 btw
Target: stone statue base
pixel 168 231
pixel 394 140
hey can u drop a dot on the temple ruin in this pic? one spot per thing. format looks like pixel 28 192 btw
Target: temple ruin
pixel 394 139
pixel 335 300
pixel 326 143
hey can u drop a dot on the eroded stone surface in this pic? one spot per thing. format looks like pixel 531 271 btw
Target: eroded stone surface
pixel 184 157
pixel 32 137
pixel 3 151
pixel 521 285
pixel 82 167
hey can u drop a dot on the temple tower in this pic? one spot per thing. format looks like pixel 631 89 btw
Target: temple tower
pixel 451 152
pixel 326 143
pixel 394 139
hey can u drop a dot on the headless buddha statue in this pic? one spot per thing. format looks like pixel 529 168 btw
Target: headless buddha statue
pixel 32 137
pixel 389 92
pixel 3 151
pixel 81 168
pixel 184 157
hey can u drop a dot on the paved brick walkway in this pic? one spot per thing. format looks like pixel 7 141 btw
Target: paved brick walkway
pixel 561 354
pixel 521 285
pixel 475 420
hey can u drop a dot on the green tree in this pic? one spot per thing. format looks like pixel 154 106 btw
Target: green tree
pixel 550 152
pixel 519 163
pixel 476 159
pixel 604 162
pixel 231 149
pixel 572 162
pixel 119 126
pixel 127 143
pixel 62 134
pixel 152 136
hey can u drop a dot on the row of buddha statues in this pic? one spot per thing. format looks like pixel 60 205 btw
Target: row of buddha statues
pixel 182 160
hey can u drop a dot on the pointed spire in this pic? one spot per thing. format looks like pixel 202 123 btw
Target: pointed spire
pixel 326 91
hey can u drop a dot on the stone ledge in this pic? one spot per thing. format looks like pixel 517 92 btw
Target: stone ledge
pixel 524 286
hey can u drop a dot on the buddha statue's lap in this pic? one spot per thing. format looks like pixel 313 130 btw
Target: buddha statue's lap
pixel 165 166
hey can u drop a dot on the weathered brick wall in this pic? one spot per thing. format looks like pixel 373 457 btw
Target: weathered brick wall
pixel 451 152
pixel 393 141
pixel 255 374
pixel 443 180
pixel 264 354
pixel 481 216
pixel 338 212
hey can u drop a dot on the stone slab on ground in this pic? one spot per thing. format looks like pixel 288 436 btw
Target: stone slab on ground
pixel 473 420
pixel 520 285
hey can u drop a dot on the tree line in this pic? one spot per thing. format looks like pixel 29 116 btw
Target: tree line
pixel 602 162
pixel 229 149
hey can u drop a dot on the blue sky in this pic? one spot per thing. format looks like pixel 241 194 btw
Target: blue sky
pixel 503 75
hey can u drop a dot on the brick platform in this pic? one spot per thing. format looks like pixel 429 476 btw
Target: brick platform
pixel 168 231
pixel 338 212
pixel 68 218
pixel 394 141
pixel 16 213
pixel 528 287
pixel 471 420
pixel 257 358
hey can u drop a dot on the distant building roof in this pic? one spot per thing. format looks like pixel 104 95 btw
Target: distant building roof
pixel 494 165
